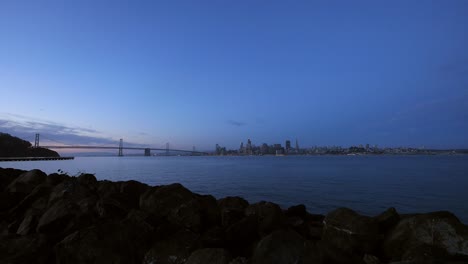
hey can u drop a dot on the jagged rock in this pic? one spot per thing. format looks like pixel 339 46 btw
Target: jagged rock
pixel 297 211
pixel 269 216
pixel 8 200
pixel 281 247
pixel 239 260
pixel 350 233
pixel 58 217
pixel 70 189
pixel 88 180
pixel 29 223
pixel 232 209
pixel 55 178
pixel 371 259
pixel 133 190
pixel 214 237
pixel 309 227
pixel 210 213
pixel 37 199
pixel 209 255
pixel 109 242
pixel 27 181
pixel 387 219
pixel 241 236
pixel 427 237
pixel 174 250
pixel 176 203
pixel 25 249
pixel 7 176
pixel 113 206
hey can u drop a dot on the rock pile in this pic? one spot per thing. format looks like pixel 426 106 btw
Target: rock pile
pixel 61 219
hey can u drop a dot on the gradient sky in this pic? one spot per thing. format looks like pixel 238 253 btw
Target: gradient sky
pixel 198 73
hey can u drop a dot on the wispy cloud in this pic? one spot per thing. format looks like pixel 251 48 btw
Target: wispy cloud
pixel 236 123
pixel 53 133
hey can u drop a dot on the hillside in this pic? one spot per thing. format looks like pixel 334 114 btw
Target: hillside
pixel 11 146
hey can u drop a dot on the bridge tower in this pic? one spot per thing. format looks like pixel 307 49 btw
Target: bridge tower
pixel 121 148
pixel 167 149
pixel 147 152
pixel 36 141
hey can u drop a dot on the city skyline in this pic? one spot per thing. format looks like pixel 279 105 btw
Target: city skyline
pixel 197 74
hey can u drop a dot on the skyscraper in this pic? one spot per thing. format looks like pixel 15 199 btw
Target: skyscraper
pixel 297 146
pixel 288 145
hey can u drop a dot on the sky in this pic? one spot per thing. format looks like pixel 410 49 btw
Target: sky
pixel 198 73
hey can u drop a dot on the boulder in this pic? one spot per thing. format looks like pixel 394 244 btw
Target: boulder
pixel 27 181
pixel 8 200
pixel 232 209
pixel 72 190
pixel 133 190
pixel 388 219
pixel 16 249
pixel 114 205
pixel 242 235
pixel 269 216
pixel 210 213
pixel 348 232
pixel 7 176
pixel 55 178
pixel 209 255
pixel 109 242
pixel 88 180
pixel 58 217
pixel 173 250
pixel 297 211
pixel 281 247
pixel 175 203
pixel 37 199
pixel 427 237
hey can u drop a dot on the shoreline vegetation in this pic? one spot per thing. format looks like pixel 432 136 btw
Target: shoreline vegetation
pixel 59 218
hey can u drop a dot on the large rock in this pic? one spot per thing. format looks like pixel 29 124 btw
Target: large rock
pixel 427 237
pixel 58 217
pixel 241 236
pixel 232 209
pixel 209 255
pixel 388 219
pixel 173 250
pixel 25 249
pixel 133 190
pixel 9 200
pixel 120 242
pixel 345 232
pixel 72 190
pixel 283 247
pixel 269 216
pixel 176 203
pixel 27 181
pixel 7 176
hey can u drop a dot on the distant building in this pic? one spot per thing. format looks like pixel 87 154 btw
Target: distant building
pixel 297 146
pixel 288 145
pixel 249 147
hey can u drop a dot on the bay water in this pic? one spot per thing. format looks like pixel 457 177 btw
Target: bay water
pixel 367 184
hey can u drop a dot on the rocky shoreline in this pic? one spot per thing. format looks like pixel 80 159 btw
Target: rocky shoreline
pixel 57 218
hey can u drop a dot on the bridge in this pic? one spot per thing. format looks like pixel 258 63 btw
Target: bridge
pixel 120 148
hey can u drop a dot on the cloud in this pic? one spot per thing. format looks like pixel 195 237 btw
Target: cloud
pixel 236 123
pixel 52 133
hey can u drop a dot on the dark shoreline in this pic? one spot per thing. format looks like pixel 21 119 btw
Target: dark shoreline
pixel 57 218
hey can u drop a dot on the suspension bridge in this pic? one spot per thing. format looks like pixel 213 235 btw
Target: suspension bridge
pixel 120 148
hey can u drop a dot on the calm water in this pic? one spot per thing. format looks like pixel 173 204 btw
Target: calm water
pixel 368 184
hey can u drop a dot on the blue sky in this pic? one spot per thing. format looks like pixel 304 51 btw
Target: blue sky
pixel 197 73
